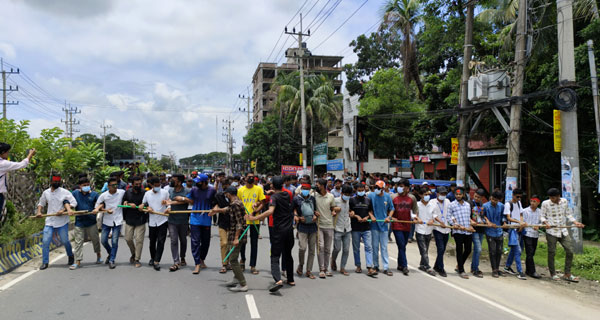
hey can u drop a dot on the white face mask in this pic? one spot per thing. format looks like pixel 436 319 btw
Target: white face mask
pixel 377 191
pixel 156 189
pixel 441 197
pixel 426 198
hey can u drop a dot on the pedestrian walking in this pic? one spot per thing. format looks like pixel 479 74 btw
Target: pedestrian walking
pixel 155 201
pixel 531 216
pixel 252 196
pixel 325 211
pixel 85 225
pixel 135 220
pixel 361 211
pixel 112 219
pixel 342 230
pixel 203 197
pixel 405 209
pixel 441 234
pixel 304 211
pixel 493 213
pixel 383 210
pixel 459 213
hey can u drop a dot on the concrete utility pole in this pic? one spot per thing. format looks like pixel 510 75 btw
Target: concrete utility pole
pixel 229 142
pixel 463 139
pixel 514 136
pixel 248 99
pixel 5 89
pixel 104 127
pixel 133 141
pixel 594 78
pixel 568 119
pixel 152 144
pixel 69 121
pixel 300 55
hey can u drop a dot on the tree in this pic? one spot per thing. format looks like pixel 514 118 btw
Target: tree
pixel 401 17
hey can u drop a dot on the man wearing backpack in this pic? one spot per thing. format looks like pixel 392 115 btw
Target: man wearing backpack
pixel 304 210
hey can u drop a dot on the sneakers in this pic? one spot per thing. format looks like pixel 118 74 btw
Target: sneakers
pixel 534 275
pixel 44 266
pixel 112 265
pixel 477 273
pixel 73 266
pixel 99 260
pixel 496 274
pixel 151 262
pixel 431 272
pixel 442 273
pixel 232 283
pixel 464 275
pixel 510 271
pixel 405 271
pixel 521 276
pixel 239 288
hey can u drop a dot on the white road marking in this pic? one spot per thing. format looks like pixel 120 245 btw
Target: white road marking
pixel 488 301
pixel 252 307
pixel 29 273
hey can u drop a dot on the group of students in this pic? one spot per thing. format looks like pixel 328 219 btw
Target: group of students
pixel 327 220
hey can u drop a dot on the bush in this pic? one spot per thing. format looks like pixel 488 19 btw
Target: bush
pixel 18 226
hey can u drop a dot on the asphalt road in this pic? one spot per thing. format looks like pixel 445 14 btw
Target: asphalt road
pixel 96 292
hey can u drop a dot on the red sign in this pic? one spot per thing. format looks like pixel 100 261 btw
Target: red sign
pixel 292 170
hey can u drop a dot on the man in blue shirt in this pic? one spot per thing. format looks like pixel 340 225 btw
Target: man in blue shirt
pixel 493 213
pixel 203 197
pixel 85 224
pixel 383 209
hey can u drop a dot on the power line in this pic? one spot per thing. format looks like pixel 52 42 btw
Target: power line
pixel 343 23
pixel 333 7
pixel 318 14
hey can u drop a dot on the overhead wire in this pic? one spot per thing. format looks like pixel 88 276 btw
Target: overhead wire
pixel 341 25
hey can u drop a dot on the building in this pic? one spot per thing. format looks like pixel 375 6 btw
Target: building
pixel 266 72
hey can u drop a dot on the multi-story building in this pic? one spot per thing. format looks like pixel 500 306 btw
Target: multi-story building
pixel 266 72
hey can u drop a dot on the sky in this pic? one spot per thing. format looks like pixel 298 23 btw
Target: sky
pixel 165 72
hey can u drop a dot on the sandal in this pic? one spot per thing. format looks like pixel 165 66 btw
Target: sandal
pixel 344 272
pixel 174 267
pixel 358 270
pixel 290 283
pixel 253 270
pixel 322 275
pixel 555 277
pixel 137 264
pixel 310 275
pixel 372 273
pixel 196 270
pixel 223 269
pixel 183 263
pixel 299 272
pixel 329 274
pixel 571 278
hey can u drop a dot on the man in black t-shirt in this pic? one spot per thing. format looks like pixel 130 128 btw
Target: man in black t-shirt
pixel 179 223
pixel 135 221
pixel 361 210
pixel 282 240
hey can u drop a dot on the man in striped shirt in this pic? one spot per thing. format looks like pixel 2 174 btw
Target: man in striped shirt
pixel 460 216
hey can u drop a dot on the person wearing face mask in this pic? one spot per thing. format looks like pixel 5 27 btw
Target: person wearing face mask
pixel 459 213
pixel 203 198
pixel 156 200
pixel 493 214
pixel 112 218
pixel 222 201
pixel 304 211
pixel 383 209
pixel 135 220
pixel 58 200
pixel 343 230
pixel 405 208
pixel 178 223
pixel 253 197
pixel 360 212
pixel 85 225
pixel 441 234
pixel 326 210
pixel 477 216
pixel 424 229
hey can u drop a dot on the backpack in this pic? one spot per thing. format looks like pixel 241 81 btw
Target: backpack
pixel 308 210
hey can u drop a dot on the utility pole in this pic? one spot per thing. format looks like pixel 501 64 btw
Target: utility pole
pixel 133 141
pixel 248 99
pixel 104 127
pixel 5 89
pixel 571 185
pixel 216 133
pixel 300 56
pixel 69 121
pixel 229 141
pixel 463 140
pixel 594 78
pixel 152 144
pixel 514 136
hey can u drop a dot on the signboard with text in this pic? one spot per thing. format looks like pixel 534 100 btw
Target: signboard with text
pixel 335 165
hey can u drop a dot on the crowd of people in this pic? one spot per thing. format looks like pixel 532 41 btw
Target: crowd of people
pixel 328 216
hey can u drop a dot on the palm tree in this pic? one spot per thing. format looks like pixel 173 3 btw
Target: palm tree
pixel 401 16
pixel 321 102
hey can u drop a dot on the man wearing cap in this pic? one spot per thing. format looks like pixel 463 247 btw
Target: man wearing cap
pixel 556 211
pixel 203 197
pixel 112 218
pixel 7 166
pixel 58 201
pixel 406 208
pixel 459 213
pixel 383 210
pixel 237 225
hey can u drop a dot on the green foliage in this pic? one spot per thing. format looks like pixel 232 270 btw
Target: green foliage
pixel 17 226
pixel 16 135
pixel 212 159
pixel 586 265
pixel 101 176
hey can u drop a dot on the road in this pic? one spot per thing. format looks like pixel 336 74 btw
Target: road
pixel 96 292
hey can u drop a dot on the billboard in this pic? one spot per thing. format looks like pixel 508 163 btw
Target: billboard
pixel 335 165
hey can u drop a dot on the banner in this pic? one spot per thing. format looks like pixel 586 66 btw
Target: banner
pixel 556 124
pixel 511 184
pixel 335 165
pixel 454 157
pixel 292 170
pixel 404 163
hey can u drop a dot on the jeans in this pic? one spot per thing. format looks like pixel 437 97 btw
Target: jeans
pixel 63 233
pixel 324 253
pixel 463 249
pixel 567 245
pixel 477 240
pixel 380 242
pixel 134 236
pixel 411 233
pixel 178 234
pixel 306 240
pixel 515 255
pixel 366 238
pixel 495 245
pixel 423 243
pixel 79 234
pixel 111 250
pixel 158 236
pixel 341 242
pixel 200 242
pixel 254 231
pixel 281 247
pixel 441 241
pixel 401 241
pixel 530 246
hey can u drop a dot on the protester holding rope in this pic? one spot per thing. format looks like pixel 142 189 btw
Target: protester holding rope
pixel 178 223
pixel 203 197
pixel 58 201
pixel 493 213
pixel 135 220
pixel 85 225
pixel 112 219
pixel 7 166
pixel 460 215
pixel 304 207
pixel 383 210
pixel 155 201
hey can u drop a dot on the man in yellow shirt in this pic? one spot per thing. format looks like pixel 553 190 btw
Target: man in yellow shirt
pixel 252 196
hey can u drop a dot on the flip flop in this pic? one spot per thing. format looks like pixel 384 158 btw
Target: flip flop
pixel 310 275
pixel 571 278
pixel 223 269
pixel 174 268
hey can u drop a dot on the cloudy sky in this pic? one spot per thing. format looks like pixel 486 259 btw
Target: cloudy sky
pixel 160 71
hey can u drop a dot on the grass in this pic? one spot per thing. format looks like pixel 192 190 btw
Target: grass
pixel 17 226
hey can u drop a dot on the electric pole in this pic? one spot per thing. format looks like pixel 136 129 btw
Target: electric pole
pixel 248 99
pixel 571 183
pixel 594 78
pixel 300 56
pixel 104 127
pixel 69 121
pixel 5 89
pixel 229 142
pixel 152 144
pixel 514 136
pixel 463 139
pixel 133 141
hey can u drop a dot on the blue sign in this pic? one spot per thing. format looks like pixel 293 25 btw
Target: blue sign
pixel 335 165
pixel 405 163
pixel 320 160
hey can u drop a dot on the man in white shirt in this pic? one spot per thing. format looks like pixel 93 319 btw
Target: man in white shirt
pixel 342 229
pixel 556 212
pixel 58 200
pixel 424 228
pixel 6 166
pixel 531 216
pixel 112 219
pixel 156 200
pixel 513 212
pixel 441 234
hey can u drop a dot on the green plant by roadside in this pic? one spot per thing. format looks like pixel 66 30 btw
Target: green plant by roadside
pixel 18 226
